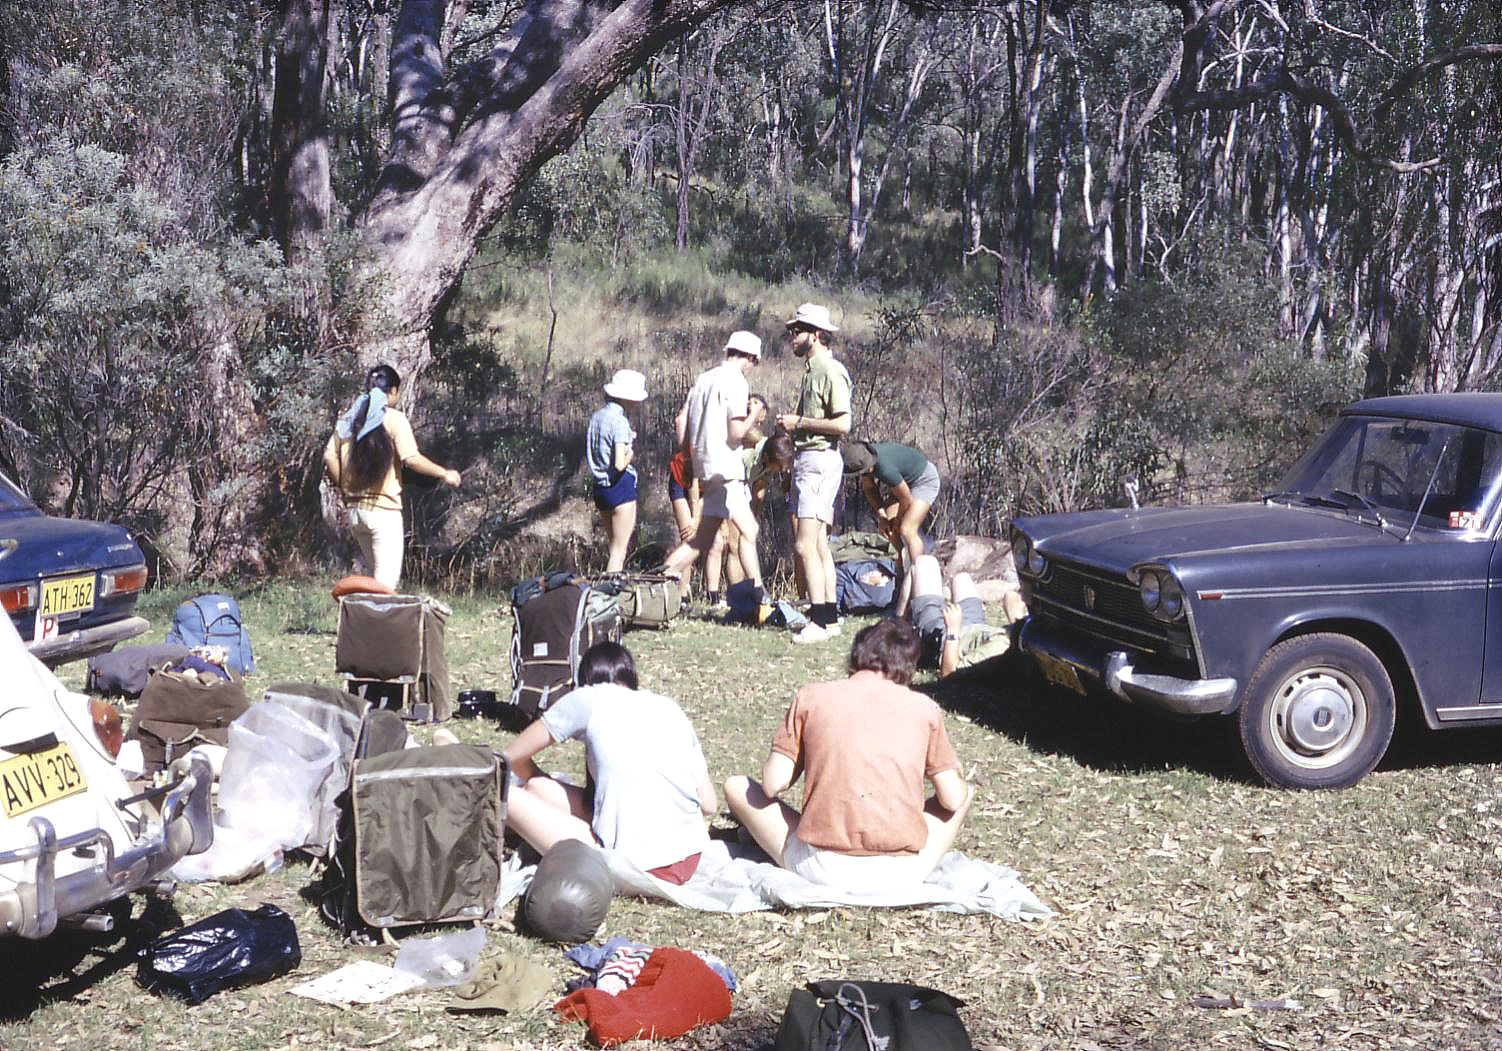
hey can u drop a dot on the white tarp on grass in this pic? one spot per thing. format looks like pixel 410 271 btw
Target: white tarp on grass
pixel 736 880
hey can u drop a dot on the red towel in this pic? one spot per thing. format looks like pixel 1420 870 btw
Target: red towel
pixel 674 992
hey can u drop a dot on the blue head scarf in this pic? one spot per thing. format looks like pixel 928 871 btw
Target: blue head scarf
pixel 375 399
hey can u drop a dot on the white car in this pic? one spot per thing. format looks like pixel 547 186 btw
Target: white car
pixel 73 836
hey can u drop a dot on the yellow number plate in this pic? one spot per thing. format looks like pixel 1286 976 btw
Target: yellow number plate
pixel 1060 673
pixel 64 595
pixel 30 781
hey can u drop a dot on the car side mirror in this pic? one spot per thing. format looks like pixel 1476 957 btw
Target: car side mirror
pixel 7 545
pixel 1130 486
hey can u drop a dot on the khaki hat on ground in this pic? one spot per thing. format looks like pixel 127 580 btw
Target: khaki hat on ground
pixel 814 316
pixel 743 342
pixel 627 385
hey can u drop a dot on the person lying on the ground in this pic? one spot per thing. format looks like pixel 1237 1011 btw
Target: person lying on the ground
pixel 912 485
pixel 865 745
pixel 954 634
pixel 648 792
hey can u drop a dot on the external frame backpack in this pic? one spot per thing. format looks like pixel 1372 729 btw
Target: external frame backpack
pixel 214 620
pixel 552 626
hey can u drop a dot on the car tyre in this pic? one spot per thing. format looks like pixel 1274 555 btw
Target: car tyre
pixel 1319 712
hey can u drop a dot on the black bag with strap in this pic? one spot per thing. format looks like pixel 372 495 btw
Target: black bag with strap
pixel 871 1016
pixel 552 627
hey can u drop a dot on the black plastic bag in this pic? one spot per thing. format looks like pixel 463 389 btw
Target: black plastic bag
pixel 229 948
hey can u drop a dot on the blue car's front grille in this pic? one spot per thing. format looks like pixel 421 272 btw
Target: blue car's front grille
pixel 1100 605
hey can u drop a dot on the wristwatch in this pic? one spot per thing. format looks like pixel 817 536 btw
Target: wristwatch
pixel 950 636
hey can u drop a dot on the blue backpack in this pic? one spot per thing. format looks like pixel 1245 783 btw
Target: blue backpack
pixel 214 620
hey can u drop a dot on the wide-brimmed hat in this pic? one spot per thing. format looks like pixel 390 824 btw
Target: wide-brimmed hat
pixel 814 316
pixel 743 342
pixel 627 385
pixel 859 457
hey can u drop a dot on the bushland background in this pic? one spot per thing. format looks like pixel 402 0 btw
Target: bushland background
pixel 1066 242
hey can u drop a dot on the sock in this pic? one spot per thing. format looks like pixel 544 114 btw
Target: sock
pixel 822 613
pixel 712 597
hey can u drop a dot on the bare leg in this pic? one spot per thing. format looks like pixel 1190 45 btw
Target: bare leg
pixel 735 570
pixel 620 522
pixel 687 524
pixel 714 558
pixel 826 558
pixel 943 827
pixel 768 820
pixel 927 577
pixel 684 554
pixel 747 531
pixel 546 811
pixel 961 588
pixel 810 545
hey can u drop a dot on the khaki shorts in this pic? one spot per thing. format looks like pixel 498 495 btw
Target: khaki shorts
pixel 869 873
pixel 722 498
pixel 817 475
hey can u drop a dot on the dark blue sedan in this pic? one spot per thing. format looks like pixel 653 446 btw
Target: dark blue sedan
pixel 70 587
pixel 1370 579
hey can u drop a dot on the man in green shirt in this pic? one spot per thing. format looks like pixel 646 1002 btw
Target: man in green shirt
pixel 822 419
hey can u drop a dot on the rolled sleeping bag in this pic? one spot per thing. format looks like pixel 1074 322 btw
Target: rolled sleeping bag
pixel 570 893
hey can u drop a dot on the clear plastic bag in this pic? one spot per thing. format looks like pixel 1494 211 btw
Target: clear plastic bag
pixel 442 961
pixel 276 763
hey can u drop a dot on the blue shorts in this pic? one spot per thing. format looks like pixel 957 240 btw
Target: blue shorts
pixel 676 491
pixel 621 491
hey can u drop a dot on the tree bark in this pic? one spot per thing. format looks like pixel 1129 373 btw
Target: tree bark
pixel 302 193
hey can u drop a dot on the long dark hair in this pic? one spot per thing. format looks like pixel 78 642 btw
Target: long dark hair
pixel 372 456
pixel 607 662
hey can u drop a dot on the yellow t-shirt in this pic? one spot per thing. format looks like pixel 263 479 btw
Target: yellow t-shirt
pixel 825 395
pixel 388 496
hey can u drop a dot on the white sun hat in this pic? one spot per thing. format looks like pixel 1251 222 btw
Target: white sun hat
pixel 627 385
pixel 743 342
pixel 813 315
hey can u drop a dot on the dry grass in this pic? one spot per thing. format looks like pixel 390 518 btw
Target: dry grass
pixel 1171 873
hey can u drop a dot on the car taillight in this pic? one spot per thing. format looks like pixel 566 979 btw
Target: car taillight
pixel 106 718
pixel 18 598
pixel 121 581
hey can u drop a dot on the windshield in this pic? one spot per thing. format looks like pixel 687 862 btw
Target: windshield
pixel 1386 465
pixel 11 497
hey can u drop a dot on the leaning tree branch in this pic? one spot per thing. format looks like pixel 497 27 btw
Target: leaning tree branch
pixel 1412 76
pixel 1283 81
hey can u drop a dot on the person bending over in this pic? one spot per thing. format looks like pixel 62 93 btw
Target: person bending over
pixel 912 485
pixel 865 745
pixel 955 634
pixel 648 790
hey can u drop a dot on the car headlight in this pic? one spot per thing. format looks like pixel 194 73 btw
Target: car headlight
pixel 1036 563
pixel 1149 587
pixel 1170 598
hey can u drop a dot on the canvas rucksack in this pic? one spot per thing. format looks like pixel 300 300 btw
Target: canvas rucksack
pixel 214 620
pixel 646 600
pixel 181 709
pixel 551 629
pixel 396 641
pixel 420 834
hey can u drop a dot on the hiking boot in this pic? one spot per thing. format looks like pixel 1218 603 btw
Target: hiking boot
pixel 810 632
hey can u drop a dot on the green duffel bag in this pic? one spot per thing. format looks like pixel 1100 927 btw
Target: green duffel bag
pixel 427 826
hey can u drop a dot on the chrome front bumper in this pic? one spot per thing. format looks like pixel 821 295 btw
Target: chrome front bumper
pixel 33 908
pixel 1114 670
pixel 85 642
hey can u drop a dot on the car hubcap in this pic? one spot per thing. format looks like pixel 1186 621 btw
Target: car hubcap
pixel 1318 717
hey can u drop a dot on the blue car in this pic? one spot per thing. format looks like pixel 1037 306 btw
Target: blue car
pixel 1370 579
pixel 70 587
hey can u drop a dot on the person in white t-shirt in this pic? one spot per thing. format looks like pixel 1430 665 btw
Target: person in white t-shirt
pixel 715 416
pixel 648 792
